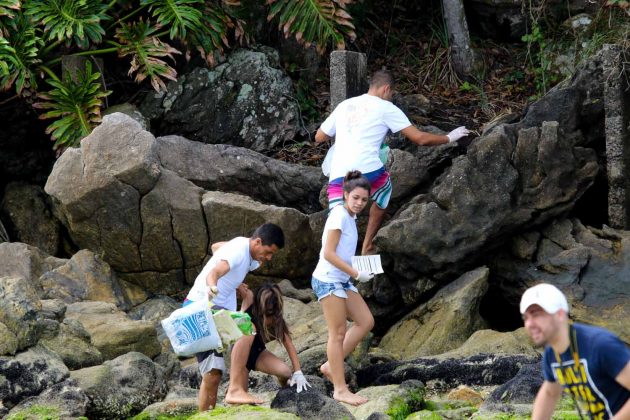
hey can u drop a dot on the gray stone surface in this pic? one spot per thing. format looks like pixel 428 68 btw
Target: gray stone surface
pixel 28 218
pixel 348 75
pixel 69 401
pixel 121 387
pixel 247 101
pixel 19 311
pixel 235 169
pixel 617 120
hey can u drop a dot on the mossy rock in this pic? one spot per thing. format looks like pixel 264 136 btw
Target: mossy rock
pixel 424 415
pixel 243 412
pixel 37 412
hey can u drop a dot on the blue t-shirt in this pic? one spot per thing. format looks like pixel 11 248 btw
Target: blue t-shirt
pixel 602 356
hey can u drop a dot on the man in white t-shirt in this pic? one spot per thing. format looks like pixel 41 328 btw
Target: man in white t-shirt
pixel 359 126
pixel 220 280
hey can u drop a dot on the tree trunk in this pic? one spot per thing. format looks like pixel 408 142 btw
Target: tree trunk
pixel 459 39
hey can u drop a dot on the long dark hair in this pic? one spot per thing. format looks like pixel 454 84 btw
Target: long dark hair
pixel 267 305
pixel 355 179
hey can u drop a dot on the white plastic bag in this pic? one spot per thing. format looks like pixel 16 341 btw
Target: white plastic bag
pixel 191 329
pixel 227 328
pixel 328 160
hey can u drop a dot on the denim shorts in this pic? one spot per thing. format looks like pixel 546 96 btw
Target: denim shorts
pixel 323 289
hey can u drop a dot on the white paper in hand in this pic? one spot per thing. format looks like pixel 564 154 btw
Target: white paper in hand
pixel 370 263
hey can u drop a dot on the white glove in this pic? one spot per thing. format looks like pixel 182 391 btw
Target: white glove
pixel 299 380
pixel 457 134
pixel 213 291
pixel 364 276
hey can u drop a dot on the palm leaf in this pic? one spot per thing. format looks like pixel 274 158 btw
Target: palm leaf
pixel 69 20
pixel 19 49
pixel 138 41
pixel 9 7
pixel 76 104
pixel 180 16
pixel 317 22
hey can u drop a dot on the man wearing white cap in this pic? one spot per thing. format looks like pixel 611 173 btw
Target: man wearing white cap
pixel 590 363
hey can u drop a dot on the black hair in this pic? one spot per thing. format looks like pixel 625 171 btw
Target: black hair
pixel 354 179
pixel 270 234
pixel 267 313
pixel 381 78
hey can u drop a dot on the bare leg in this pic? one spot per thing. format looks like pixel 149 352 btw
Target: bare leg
pixel 375 220
pixel 363 323
pixel 208 389
pixel 269 363
pixel 335 314
pixel 239 375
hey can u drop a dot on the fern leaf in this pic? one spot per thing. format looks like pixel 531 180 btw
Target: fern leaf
pixel 180 16
pixel 9 7
pixel 69 20
pixel 138 40
pixel 318 22
pixel 19 50
pixel 76 104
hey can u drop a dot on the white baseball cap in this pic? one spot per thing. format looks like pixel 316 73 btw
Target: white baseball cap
pixel 547 296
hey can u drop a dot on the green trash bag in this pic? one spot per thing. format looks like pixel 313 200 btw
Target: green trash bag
pixel 244 322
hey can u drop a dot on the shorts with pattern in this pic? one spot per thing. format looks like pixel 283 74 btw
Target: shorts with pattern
pixel 339 289
pixel 380 194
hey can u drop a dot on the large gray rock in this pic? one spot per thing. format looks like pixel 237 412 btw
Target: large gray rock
pixel 591 266
pixel 73 344
pixel 66 399
pixel 112 332
pixel 146 220
pixel 309 404
pixel 228 168
pixel 247 101
pixel 482 369
pixel 26 261
pixel 84 277
pixel 19 312
pixel 28 217
pixel 121 387
pixel 29 373
pixel 229 215
pixel 503 184
pixel 444 322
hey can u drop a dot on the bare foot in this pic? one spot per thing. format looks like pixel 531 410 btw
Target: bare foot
pixel 349 398
pixel 325 370
pixel 241 397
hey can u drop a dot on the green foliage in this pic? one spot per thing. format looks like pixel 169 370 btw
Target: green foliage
pixel 410 402
pixel 138 40
pixel 35 34
pixel 9 7
pixel 69 20
pixel 19 49
pixel 75 103
pixel 180 16
pixel 314 22
pixel 38 412
pixel 540 60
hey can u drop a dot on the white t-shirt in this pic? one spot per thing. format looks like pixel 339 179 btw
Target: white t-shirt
pixel 339 219
pixel 359 126
pixel 236 253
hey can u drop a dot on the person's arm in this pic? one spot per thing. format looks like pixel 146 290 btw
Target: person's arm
pixel 212 279
pixel 215 246
pixel 321 137
pixel 546 400
pixel 246 295
pixel 623 378
pixel 292 352
pixel 422 138
pixel 330 253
